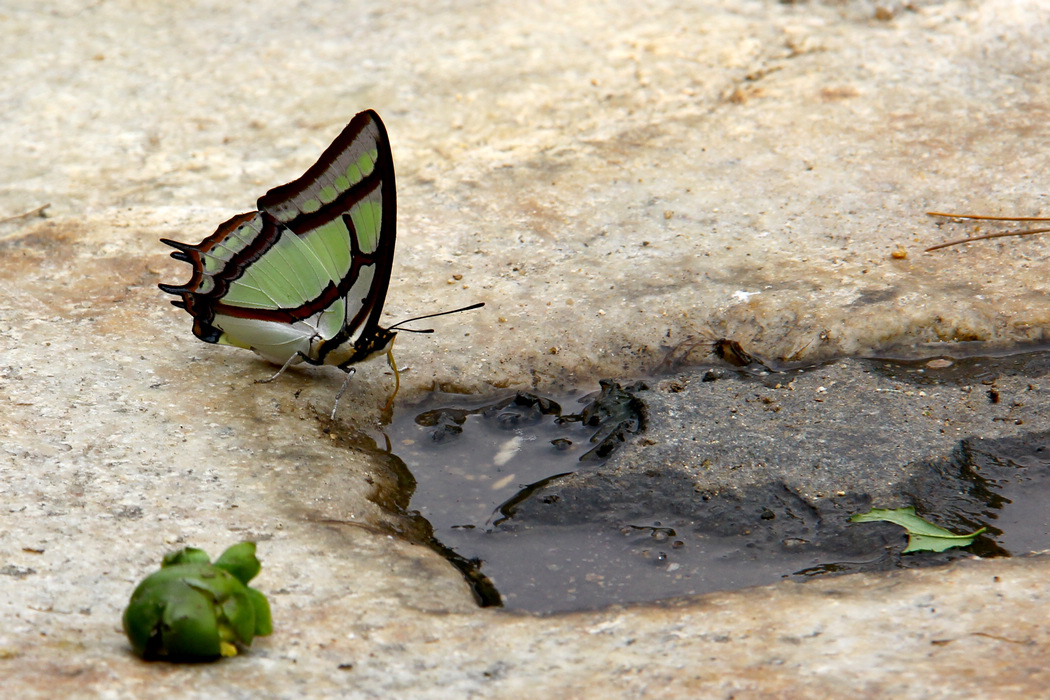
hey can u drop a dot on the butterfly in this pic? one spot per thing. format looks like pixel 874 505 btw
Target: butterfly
pixel 304 278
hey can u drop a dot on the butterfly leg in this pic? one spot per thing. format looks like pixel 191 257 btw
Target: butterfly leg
pixel 350 371
pixel 288 363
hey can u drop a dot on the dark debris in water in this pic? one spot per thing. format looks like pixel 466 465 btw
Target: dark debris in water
pixel 519 411
pixel 616 413
pixel 494 460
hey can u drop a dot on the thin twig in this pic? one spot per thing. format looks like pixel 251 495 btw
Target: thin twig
pixel 978 217
pixel 38 211
pixel 1000 234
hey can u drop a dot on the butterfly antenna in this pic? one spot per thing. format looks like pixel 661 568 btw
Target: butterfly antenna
pixel 440 313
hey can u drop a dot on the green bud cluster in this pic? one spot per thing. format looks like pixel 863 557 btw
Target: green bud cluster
pixel 195 610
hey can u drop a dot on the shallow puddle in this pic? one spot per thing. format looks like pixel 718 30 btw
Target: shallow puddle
pixel 489 475
pixel 475 461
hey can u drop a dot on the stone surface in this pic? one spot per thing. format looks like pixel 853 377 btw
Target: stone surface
pixel 852 428
pixel 972 630
pixel 611 180
pixel 744 170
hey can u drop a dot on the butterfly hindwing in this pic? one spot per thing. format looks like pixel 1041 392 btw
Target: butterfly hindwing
pixel 305 276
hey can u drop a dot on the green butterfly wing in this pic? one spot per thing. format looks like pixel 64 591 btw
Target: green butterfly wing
pixel 305 276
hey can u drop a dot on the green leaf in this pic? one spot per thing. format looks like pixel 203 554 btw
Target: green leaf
pixel 240 561
pixel 922 536
pixel 186 555
pixel 263 622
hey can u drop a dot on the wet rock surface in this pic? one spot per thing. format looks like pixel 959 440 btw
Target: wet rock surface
pixel 752 478
pixel 866 431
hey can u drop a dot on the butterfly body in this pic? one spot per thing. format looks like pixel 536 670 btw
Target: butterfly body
pixel 304 278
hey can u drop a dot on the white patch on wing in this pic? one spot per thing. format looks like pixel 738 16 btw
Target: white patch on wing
pixel 355 298
pixel 274 341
